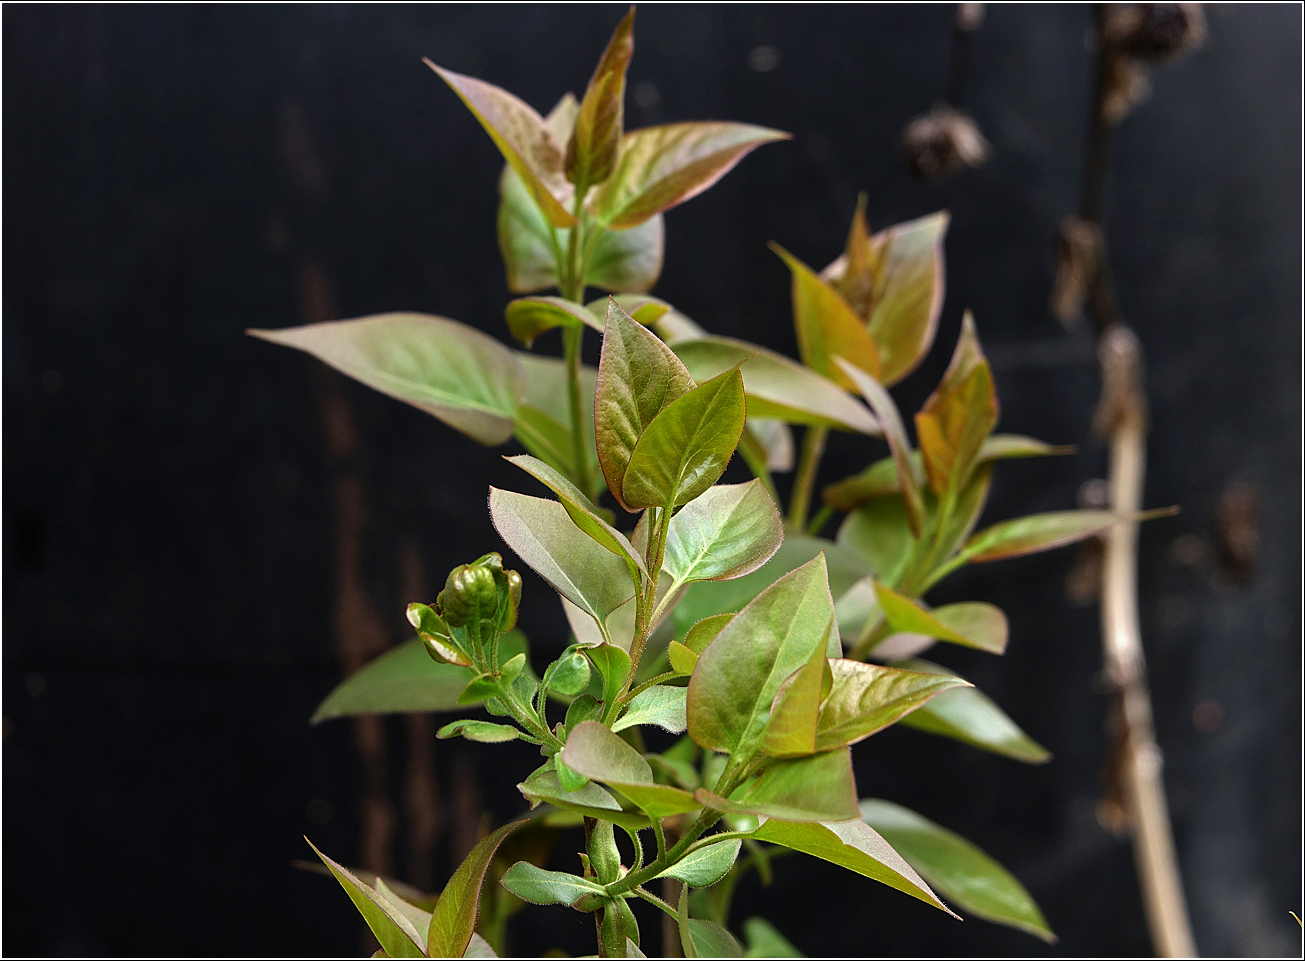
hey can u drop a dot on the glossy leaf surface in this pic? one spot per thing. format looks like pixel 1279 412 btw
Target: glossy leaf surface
pixel 971 717
pixel 826 326
pixel 854 845
pixel 406 680
pixel 738 675
pixel 454 918
pixel 866 698
pixel 776 386
pixel 663 166
pixel 819 787
pixel 452 371
pixel 957 868
pixel 522 137
pixel 638 377
pixel 686 447
pixel 543 535
pixel 393 929
pixel 731 530
pixel 705 866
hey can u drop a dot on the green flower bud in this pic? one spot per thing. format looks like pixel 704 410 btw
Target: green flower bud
pixel 469 592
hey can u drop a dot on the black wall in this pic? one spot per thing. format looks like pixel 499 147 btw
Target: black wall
pixel 175 175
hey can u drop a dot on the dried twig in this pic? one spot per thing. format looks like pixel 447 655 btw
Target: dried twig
pixel 1121 417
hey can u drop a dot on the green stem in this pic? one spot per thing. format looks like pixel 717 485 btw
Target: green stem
pixel 572 338
pixel 658 526
pixel 820 520
pixel 651 682
pixel 653 899
pixel 813 448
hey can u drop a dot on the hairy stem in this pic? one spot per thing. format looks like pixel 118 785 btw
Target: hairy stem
pixel 813 448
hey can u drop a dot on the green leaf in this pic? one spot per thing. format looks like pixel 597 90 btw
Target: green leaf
pixel 538 886
pixel 417 917
pixel 528 317
pixel 764 941
pixel 854 845
pixel 826 326
pixel 546 393
pixel 866 698
pixel 957 868
pixel 976 625
pixel 959 414
pixel 583 512
pixel 571 781
pixel 660 167
pixel 776 386
pixel 707 939
pixel 662 705
pixel 740 672
pixel 597 753
pixel 684 656
pixel 791 730
pixel 522 137
pixel 686 447
pixel 546 439
pixel 628 261
pixel 390 924
pixel 729 531
pixel 543 787
pixel 1039 532
pixel 584 708
pixel 706 598
pixel 569 675
pixel 966 513
pixel 705 866
pixel 898 443
pixel 451 371
pixel 454 918
pixel 818 787
pixel 613 664
pixel 970 716
pixel 485 731
pixel 405 680
pixel 595 142
pixel 638 377
pixel 774 437
pixel 1011 446
pixel 543 535
pixel 881 534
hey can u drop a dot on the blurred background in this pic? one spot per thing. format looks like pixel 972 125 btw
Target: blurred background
pixel 203 532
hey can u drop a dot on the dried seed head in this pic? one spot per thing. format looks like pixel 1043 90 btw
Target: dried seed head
pixel 941 142
pixel 1154 31
pixel 1077 250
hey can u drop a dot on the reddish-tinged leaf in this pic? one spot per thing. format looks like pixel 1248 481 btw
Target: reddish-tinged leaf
pixel 959 415
pixel 528 317
pixel 866 698
pixel 524 139
pixel 454 918
pixel 660 167
pixel 1042 532
pixel 826 326
pixel 596 138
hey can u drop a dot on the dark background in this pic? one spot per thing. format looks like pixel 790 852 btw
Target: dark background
pixel 197 524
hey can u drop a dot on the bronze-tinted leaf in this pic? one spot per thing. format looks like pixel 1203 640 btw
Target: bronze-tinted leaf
pixel 826 326
pixel 660 167
pixel 528 317
pixel 596 138
pixel 959 415
pixel 523 138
